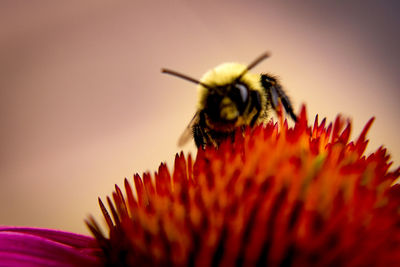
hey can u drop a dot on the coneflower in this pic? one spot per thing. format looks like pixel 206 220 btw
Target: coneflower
pixel 276 196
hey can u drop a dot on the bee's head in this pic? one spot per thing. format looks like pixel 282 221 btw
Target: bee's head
pixel 225 91
pixel 225 104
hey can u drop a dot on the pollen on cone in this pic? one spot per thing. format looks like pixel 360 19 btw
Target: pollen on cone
pixel 276 196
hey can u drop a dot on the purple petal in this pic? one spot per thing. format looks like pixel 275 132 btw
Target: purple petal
pixel 45 247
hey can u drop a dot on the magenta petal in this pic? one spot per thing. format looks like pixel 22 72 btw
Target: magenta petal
pixel 71 239
pixel 45 247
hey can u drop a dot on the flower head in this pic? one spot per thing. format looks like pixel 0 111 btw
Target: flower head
pixel 300 196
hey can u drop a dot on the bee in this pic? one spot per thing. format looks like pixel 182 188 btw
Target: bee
pixel 231 97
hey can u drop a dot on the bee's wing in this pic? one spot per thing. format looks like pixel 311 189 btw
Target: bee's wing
pixel 188 132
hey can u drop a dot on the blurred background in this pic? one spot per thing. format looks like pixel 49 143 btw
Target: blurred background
pixel 83 103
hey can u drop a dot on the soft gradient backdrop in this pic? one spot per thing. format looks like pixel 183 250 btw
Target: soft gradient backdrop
pixel 83 103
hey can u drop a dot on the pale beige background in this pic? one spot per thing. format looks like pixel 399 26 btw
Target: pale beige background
pixel 83 103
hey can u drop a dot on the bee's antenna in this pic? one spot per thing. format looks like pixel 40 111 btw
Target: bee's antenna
pixel 254 63
pixel 185 77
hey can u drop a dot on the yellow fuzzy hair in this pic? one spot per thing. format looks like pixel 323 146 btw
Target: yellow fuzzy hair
pixel 225 74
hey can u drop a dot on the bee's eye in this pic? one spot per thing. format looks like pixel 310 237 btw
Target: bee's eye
pixel 243 92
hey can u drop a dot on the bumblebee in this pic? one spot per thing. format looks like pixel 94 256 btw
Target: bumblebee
pixel 231 97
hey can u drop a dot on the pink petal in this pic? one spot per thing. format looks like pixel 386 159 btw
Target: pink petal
pixel 45 247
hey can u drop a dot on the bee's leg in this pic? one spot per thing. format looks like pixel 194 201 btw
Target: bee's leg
pixel 278 93
pixel 198 135
pixel 256 99
pixel 286 102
